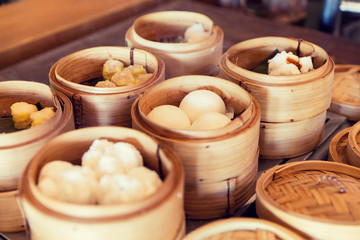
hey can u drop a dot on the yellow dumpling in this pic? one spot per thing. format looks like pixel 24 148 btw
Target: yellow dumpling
pixel 123 78
pixel 111 67
pixel 41 116
pixel 21 112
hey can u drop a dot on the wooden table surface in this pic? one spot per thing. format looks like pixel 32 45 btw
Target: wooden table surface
pixel 29 27
pixel 236 27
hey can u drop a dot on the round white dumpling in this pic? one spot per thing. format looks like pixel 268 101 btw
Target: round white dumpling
pixel 106 157
pixel 76 184
pixel 196 33
pixel 209 121
pixel 170 116
pixel 198 102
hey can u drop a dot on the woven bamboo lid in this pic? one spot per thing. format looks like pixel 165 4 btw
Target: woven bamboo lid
pixel 317 198
pixel 346 88
pixel 237 228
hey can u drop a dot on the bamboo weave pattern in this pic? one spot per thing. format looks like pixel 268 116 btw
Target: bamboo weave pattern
pixel 258 234
pixel 301 192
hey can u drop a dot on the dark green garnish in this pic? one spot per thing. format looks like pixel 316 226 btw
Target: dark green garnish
pixel 92 82
pixel 7 125
pixel 263 66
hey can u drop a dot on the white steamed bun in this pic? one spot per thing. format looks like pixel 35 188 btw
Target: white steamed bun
pixel 169 116
pixel 198 102
pixel 210 121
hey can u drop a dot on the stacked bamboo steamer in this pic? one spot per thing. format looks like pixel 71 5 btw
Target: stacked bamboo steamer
pixel 17 148
pixel 318 199
pixel 189 58
pixel 159 216
pixel 220 164
pixel 94 106
pixel 345 146
pixel 242 228
pixel 293 108
pixel 345 98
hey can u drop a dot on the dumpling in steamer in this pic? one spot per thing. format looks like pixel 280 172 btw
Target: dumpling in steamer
pixel 210 121
pixel 198 102
pixel 196 33
pixel 169 116
pixel 68 183
pixel 106 157
pixel 137 184
pixel 287 63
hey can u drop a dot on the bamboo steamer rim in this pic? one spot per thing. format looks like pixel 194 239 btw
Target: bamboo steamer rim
pixel 198 82
pixel 234 224
pixel 353 147
pixel 311 165
pixel 135 115
pixel 337 147
pixel 179 18
pixel 65 65
pixel 345 100
pixel 264 79
pixel 15 220
pixel 28 190
pixel 62 115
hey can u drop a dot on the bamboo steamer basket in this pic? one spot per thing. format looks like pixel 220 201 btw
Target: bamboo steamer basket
pixel 17 148
pixel 282 98
pixel 337 147
pixel 345 94
pixel 220 167
pixel 94 106
pixel 190 58
pixel 11 217
pixel 353 145
pixel 291 139
pixel 318 199
pixel 160 216
pixel 242 228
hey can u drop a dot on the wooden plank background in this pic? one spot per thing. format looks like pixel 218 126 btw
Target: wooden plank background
pixel 29 27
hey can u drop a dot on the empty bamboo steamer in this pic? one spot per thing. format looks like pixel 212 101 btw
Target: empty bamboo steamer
pixel 317 199
pixel 220 166
pixel 345 95
pixel 17 148
pixel 337 147
pixel 95 106
pixel 184 58
pixel 283 99
pixel 353 145
pixel 242 228
pixel 159 216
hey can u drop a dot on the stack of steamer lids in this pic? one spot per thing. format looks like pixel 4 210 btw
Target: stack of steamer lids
pixel 346 91
pixel 345 146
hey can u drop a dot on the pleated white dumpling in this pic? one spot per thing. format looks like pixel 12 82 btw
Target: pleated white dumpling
pixel 69 183
pixel 106 157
